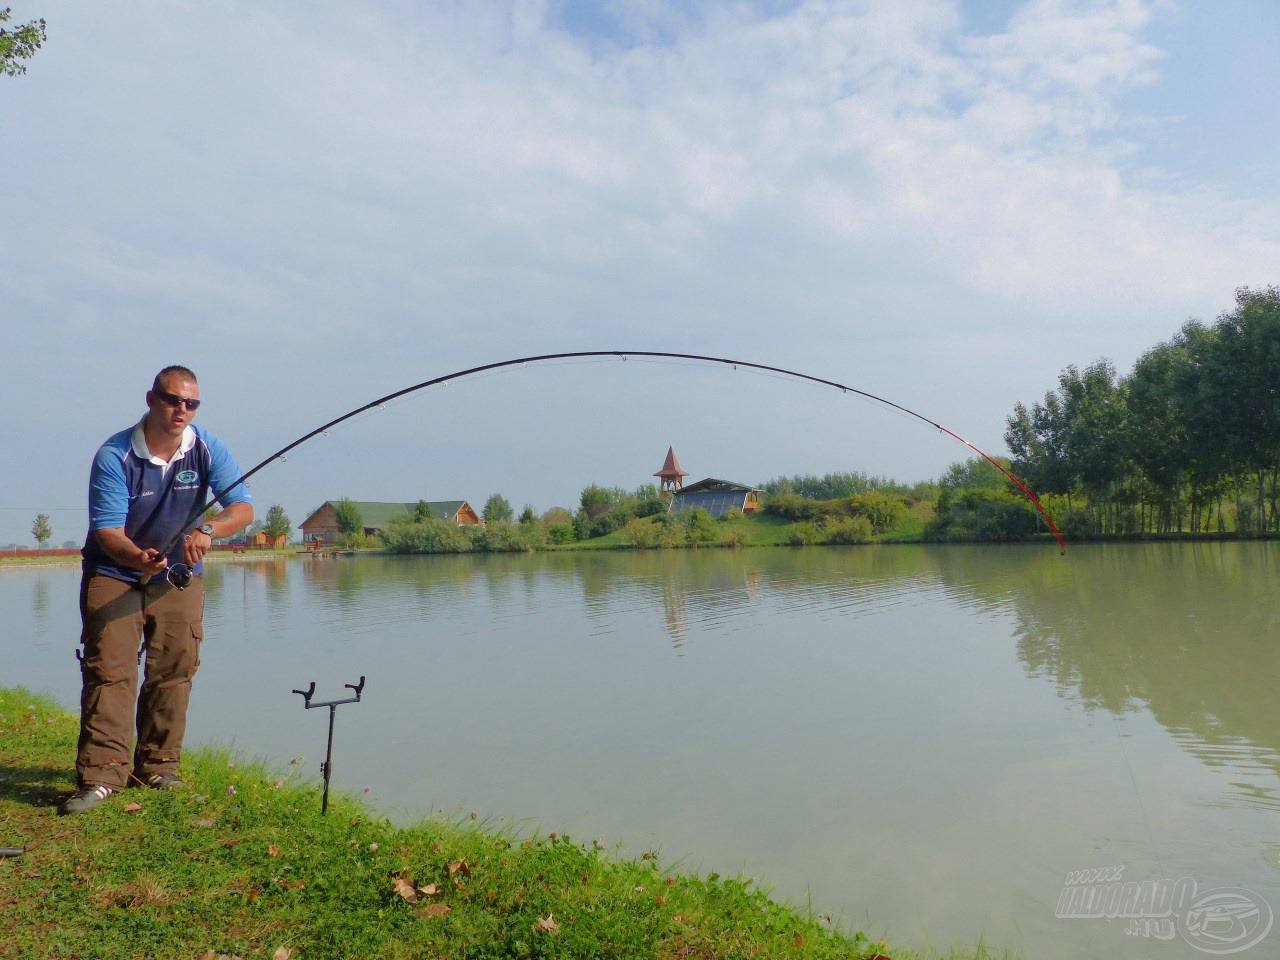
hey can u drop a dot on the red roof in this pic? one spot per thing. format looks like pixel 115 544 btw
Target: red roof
pixel 671 466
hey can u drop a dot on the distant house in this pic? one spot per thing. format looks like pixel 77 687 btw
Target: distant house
pixel 261 540
pixel 322 525
pixel 717 497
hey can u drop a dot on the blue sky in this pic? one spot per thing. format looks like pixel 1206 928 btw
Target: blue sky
pixel 941 203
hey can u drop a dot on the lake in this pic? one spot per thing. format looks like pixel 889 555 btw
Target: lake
pixel 927 743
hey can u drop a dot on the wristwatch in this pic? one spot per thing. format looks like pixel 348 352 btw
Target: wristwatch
pixel 206 528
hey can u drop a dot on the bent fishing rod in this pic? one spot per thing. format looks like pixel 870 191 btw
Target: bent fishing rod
pixel 180 574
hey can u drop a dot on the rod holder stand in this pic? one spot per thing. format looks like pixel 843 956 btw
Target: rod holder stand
pixel 326 768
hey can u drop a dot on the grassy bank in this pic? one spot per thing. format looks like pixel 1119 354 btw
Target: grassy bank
pixel 242 864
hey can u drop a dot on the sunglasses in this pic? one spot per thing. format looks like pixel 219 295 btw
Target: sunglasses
pixel 175 401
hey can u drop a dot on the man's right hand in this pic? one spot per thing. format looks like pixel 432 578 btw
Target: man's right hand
pixel 151 562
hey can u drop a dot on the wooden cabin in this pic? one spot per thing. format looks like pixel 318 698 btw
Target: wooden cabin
pixel 717 497
pixel 322 525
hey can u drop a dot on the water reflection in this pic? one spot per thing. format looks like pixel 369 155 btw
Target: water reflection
pixel 1185 632
pixel 932 737
pixel 40 600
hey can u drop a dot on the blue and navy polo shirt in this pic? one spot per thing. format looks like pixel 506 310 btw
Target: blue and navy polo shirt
pixel 154 500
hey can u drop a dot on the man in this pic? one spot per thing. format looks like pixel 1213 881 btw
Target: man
pixel 146 489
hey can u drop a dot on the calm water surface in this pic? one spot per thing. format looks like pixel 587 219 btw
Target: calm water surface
pixel 922 741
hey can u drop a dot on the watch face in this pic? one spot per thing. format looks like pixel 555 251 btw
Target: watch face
pixel 206 528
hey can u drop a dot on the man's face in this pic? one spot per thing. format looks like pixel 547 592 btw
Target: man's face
pixel 166 411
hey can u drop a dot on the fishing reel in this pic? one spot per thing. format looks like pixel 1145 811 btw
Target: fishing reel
pixel 179 575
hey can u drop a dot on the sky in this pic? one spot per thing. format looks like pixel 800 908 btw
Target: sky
pixel 315 205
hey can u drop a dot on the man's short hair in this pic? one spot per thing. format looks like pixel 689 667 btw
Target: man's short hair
pixel 183 372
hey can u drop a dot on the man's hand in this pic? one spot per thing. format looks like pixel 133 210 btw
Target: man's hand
pixel 196 546
pixel 127 553
pixel 150 562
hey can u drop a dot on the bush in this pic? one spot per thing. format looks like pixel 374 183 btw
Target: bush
pixel 672 535
pixel 1078 525
pixel 640 534
pixel 427 536
pixel 802 534
pixel 791 506
pixel 977 514
pixel 853 530
pixel 701 528
pixel 734 537
pixel 651 507
pixel 511 538
pixel 560 533
pixel 882 510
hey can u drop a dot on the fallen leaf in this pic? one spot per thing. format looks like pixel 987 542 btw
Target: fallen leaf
pixel 273 850
pixel 231 843
pixel 460 867
pixel 205 824
pixel 797 941
pixel 252 895
pixel 660 900
pixel 404 890
pixel 547 924
pixel 133 806
pixel 282 953
pixel 433 910
pixel 430 890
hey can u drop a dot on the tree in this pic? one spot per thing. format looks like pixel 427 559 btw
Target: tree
pixel 974 472
pixel 277 523
pixel 527 516
pixel 596 499
pixel 41 530
pixel 20 43
pixel 350 524
pixel 498 510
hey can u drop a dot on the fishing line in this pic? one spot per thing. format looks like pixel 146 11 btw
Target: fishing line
pixel 1133 779
pixel 182 577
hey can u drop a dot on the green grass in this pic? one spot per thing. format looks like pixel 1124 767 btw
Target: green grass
pixel 243 864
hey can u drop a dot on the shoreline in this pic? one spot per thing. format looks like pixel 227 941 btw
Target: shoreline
pixel 243 863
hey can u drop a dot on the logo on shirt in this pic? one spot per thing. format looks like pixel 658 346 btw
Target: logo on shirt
pixel 187 476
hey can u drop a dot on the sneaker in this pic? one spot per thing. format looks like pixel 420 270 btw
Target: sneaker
pixel 165 780
pixel 85 799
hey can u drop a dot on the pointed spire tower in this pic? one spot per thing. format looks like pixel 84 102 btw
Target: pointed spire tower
pixel 671 474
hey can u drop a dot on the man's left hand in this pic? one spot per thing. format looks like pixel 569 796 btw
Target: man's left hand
pixel 196 546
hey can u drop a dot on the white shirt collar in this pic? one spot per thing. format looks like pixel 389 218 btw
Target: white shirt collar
pixel 141 451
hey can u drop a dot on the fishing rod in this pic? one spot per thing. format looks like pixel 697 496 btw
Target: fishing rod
pixel 182 577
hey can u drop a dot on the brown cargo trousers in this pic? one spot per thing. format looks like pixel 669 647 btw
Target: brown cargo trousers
pixel 117 617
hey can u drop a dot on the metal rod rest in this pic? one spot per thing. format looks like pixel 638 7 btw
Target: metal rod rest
pixel 326 768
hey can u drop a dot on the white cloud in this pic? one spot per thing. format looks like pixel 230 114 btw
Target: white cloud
pixel 821 182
